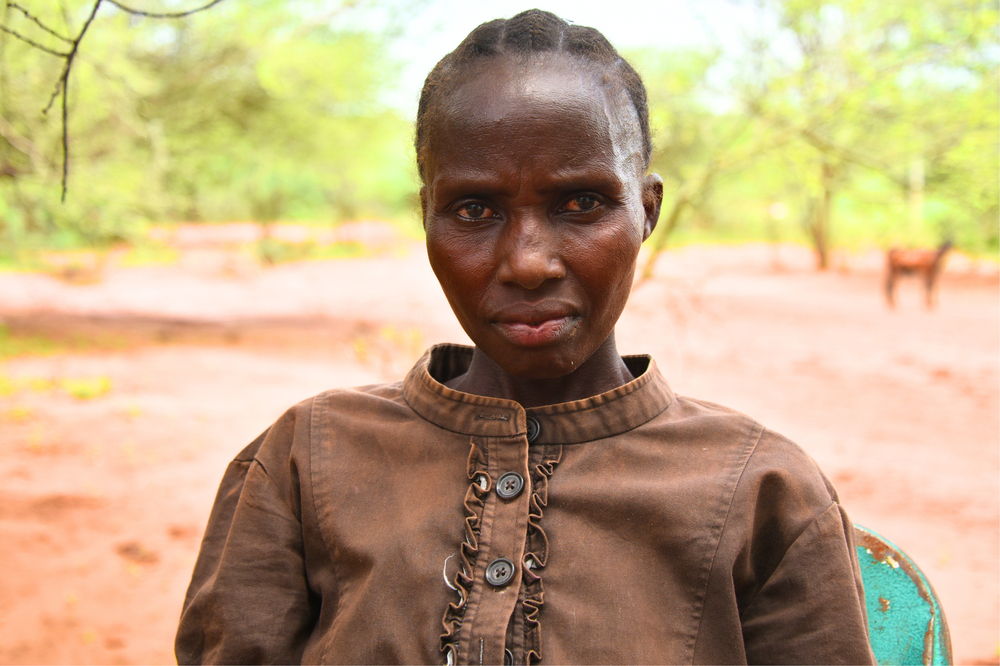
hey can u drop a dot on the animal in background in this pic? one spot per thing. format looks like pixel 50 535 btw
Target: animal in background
pixel 924 262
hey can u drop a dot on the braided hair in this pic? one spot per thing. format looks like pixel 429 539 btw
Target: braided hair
pixel 532 31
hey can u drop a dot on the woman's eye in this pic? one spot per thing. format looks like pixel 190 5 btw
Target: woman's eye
pixel 581 203
pixel 475 211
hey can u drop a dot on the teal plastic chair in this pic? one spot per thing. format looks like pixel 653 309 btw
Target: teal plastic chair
pixel 906 624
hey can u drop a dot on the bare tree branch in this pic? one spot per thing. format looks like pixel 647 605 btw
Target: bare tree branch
pixel 55 91
pixel 64 77
pixel 65 134
pixel 38 46
pixel 140 12
pixel 61 87
pixel 37 21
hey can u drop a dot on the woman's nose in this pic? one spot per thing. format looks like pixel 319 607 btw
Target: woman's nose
pixel 530 253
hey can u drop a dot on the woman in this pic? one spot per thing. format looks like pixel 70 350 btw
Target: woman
pixel 537 497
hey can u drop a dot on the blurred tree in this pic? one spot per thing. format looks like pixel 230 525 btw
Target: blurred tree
pixel 259 109
pixel 903 90
pixel 68 50
pixel 698 141
pixel 876 120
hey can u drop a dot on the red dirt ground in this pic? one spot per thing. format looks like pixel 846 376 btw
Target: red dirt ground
pixel 103 496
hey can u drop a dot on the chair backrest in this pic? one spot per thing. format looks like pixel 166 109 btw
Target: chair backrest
pixel 906 624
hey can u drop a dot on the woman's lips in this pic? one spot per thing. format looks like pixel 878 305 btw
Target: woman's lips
pixel 537 334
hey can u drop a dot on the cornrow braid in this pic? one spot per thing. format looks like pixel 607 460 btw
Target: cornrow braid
pixel 533 31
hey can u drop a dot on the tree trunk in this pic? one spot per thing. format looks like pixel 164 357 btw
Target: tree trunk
pixel 818 223
pixel 915 197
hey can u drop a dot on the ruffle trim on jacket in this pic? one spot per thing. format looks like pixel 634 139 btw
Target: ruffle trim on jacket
pixel 537 554
pixel 535 558
pixel 480 484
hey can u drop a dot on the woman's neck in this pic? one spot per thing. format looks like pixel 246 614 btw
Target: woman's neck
pixel 603 371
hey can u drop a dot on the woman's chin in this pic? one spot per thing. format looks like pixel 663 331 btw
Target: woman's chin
pixel 540 363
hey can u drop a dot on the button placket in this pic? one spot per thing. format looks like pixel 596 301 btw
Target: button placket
pixel 500 563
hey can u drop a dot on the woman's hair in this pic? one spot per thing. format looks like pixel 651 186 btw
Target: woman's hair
pixel 533 31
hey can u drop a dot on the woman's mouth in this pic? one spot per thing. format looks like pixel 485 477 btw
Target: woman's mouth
pixel 537 333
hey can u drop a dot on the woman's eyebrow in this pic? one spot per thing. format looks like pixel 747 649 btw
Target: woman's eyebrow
pixel 472 181
pixel 585 172
pixel 571 178
pixel 469 181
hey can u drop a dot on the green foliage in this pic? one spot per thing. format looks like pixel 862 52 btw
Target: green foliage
pixel 904 92
pixel 258 109
pixel 843 123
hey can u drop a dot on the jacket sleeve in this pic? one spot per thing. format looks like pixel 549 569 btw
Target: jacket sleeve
pixel 248 601
pixel 811 608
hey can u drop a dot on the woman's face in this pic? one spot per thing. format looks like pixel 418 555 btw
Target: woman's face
pixel 535 206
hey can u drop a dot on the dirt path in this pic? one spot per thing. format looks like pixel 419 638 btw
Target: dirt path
pixel 110 453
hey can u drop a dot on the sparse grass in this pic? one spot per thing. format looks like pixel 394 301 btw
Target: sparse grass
pixel 80 388
pixel 272 251
pixel 86 264
pixel 21 259
pixel 83 266
pixel 9 264
pixel 39 384
pixel 18 413
pixel 132 411
pixel 15 344
pixel 86 388
pixel 149 253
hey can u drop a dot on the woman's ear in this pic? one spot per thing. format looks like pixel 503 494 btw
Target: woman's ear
pixel 423 206
pixel 652 197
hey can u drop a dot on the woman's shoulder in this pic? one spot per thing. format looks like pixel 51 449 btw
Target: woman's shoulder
pixel 299 423
pixel 348 400
pixel 772 463
pixel 779 492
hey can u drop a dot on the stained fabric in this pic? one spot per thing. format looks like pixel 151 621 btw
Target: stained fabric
pixel 651 528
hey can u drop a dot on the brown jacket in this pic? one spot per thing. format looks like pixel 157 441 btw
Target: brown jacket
pixel 411 523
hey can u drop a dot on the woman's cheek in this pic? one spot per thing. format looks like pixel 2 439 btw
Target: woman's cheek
pixel 611 249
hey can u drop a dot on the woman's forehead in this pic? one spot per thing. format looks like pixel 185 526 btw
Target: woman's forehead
pixel 494 85
pixel 537 96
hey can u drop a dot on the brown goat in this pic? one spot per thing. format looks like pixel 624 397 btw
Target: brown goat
pixel 925 262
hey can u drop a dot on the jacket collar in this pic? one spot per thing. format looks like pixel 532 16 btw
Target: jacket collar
pixel 611 413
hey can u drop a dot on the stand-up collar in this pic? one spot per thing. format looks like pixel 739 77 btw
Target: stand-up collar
pixel 611 413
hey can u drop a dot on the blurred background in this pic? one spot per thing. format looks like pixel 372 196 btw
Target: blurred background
pixel 240 229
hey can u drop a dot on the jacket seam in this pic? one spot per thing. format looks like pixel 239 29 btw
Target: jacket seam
pixel 747 455
pixel 315 407
pixel 284 501
pixel 833 502
pixel 809 525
